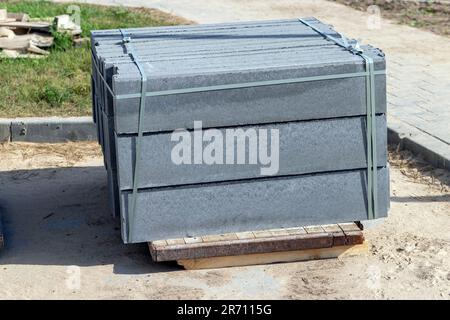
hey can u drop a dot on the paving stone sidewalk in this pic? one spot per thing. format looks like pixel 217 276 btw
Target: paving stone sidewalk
pixel 418 60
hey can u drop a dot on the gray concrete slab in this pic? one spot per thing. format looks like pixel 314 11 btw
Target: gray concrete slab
pixel 434 151
pixel 304 147
pixel 168 213
pixel 339 98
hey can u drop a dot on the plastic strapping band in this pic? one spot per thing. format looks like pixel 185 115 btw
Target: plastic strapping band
pixel 372 184
pixel 371 139
pixel 130 51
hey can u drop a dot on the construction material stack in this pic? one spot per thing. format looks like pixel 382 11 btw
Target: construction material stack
pixel 320 98
pixel 22 37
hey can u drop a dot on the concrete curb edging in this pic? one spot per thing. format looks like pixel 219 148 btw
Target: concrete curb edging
pixel 55 129
pixel 434 151
pixel 48 129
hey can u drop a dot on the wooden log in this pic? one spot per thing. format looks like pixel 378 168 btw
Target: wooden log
pixel 274 257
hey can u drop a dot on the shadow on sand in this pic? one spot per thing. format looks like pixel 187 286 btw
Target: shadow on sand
pixel 60 216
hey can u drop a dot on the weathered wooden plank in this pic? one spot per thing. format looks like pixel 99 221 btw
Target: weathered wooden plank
pixel 314 229
pixel 279 232
pixel 296 230
pixel 220 237
pixel 160 243
pixel 40 26
pixel 331 228
pixel 353 237
pixel 193 240
pixel 339 237
pixel 262 234
pixel 274 257
pixel 239 247
pixel 245 235
pixel 263 241
pixel 174 242
pixel 347 227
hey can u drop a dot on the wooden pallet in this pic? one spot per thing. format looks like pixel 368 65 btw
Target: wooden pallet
pixel 262 247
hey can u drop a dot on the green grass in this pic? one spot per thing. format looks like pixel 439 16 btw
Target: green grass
pixel 60 83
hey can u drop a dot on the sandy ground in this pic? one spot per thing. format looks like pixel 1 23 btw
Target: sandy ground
pixel 63 243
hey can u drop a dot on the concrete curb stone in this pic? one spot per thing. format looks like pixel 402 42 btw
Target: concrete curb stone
pixel 434 151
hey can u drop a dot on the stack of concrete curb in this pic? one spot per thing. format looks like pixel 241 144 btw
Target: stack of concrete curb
pixel 298 78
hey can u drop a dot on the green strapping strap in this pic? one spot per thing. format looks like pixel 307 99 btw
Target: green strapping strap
pixel 132 211
pixel 371 140
pixel 372 184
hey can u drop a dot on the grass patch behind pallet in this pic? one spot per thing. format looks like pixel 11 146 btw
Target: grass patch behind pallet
pixel 60 83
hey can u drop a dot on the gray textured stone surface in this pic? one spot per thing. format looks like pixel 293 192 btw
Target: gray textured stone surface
pixel 305 147
pixel 254 205
pixel 434 151
pixel 292 102
pixel 53 129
